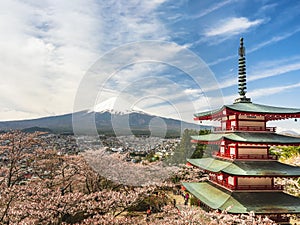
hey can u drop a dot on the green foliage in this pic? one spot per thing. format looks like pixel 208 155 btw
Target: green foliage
pixel 286 152
pixel 199 148
pixel 175 179
pixel 149 157
pixel 187 149
pixel 194 201
pixel 155 201
pixel 198 153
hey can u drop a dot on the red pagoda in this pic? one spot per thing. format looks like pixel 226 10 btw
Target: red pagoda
pixel 241 169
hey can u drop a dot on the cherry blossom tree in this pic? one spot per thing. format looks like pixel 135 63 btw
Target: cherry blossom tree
pixel 115 168
pixel 40 186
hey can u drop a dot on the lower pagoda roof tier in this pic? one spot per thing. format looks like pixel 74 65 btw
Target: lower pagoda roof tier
pixel 247 168
pixel 244 202
pixel 270 112
pixel 248 137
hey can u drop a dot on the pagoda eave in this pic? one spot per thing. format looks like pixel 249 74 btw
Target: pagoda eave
pixel 244 202
pixel 270 113
pixel 269 117
pixel 250 138
pixel 243 142
pixel 246 168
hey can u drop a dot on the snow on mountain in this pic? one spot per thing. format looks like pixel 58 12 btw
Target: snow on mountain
pixel 116 105
pixel 135 120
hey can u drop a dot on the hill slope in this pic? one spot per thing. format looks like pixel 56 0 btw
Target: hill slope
pixel 112 116
pixel 106 122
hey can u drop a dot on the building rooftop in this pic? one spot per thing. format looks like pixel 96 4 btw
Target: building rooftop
pixel 250 137
pixel 244 202
pixel 271 112
pixel 246 168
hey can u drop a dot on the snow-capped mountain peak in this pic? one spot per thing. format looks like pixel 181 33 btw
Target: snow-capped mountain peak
pixel 116 105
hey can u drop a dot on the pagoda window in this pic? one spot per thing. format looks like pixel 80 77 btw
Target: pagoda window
pixel 251 117
pixel 253 152
pixel 251 125
pixel 232 150
pixel 212 175
pixel 251 122
pixel 231 117
pixel 220 177
pixel 222 150
pixel 254 183
pixel 231 181
pixel 223 124
pixel 233 124
pixel 226 122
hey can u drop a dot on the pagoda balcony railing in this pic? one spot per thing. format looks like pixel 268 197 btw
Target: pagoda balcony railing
pixel 223 155
pixel 257 156
pixel 221 182
pixel 219 129
pixel 224 183
pixel 246 128
pixel 259 187
pixel 245 156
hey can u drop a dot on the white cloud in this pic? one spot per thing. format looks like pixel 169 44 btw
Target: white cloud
pixel 262 92
pixel 44 54
pixel 270 72
pixel 193 91
pixel 213 8
pixel 271 91
pixel 222 60
pixel 267 69
pixel 47 47
pixel 259 46
pixel 232 26
pixel 274 39
pixel 130 21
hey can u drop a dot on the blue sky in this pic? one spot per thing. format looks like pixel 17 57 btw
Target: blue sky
pixel 47 47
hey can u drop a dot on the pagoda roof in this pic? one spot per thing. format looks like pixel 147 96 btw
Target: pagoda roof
pixel 249 137
pixel 251 108
pixel 244 202
pixel 246 168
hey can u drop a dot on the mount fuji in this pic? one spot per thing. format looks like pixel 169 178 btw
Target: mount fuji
pixel 116 105
pixel 111 115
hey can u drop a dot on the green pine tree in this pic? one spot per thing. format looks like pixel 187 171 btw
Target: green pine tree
pixel 187 149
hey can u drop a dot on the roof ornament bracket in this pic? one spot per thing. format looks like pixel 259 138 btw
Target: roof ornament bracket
pixel 242 84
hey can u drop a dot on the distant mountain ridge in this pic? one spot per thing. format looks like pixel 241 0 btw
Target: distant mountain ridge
pixel 113 116
pixel 139 123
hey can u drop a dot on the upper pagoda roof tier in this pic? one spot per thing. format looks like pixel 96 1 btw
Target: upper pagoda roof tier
pixel 247 168
pixel 249 137
pixel 244 202
pixel 249 108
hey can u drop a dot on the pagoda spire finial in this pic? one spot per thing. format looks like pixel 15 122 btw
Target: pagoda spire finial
pixel 242 74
